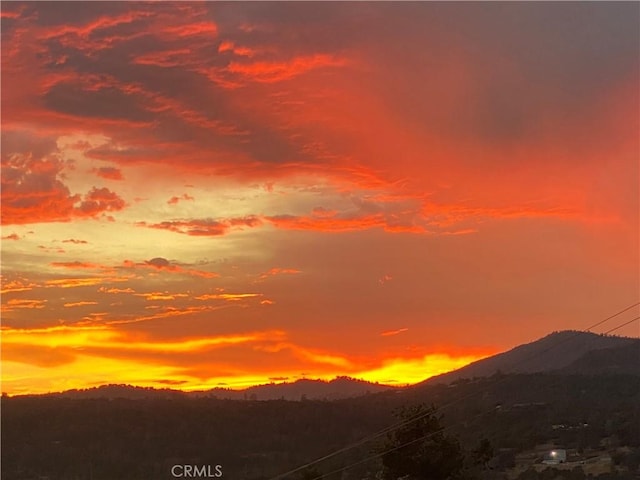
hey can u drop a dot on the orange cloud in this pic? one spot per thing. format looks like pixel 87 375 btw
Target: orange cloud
pixel 228 46
pixel 13 236
pixel 336 223
pixel 116 290
pixel 278 271
pixel 24 303
pixel 393 332
pixel 166 312
pixel 174 200
pixel 18 285
pixel 231 297
pixel 274 71
pixel 77 265
pixel 79 304
pixel 206 227
pixel 99 200
pixel 161 296
pixel 32 193
pixel 82 282
pixel 164 265
pixel 109 173
pixel 165 58
pixel 103 22
pixel 209 29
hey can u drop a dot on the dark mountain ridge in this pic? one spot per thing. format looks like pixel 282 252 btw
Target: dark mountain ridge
pixel 563 352
pixel 338 388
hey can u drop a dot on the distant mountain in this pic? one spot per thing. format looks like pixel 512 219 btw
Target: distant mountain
pixel 565 352
pixel 116 391
pixel 338 388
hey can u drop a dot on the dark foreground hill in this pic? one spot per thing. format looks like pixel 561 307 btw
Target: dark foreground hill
pixel 569 351
pixel 340 387
pixel 117 438
pixel 622 359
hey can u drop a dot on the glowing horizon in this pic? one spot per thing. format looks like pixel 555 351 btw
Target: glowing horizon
pixel 409 370
pixel 222 193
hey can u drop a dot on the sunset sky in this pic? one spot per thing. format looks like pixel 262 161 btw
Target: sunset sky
pixel 224 194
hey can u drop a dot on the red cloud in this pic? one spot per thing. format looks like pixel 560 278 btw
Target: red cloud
pixel 200 28
pixel 33 193
pixel 110 173
pixel 99 200
pixel 228 46
pixel 335 223
pixel 13 236
pixel 205 227
pixel 73 240
pixel 165 265
pixel 174 200
pixel 167 58
pixel 77 265
pixel 278 271
pixel 5 14
pixel 268 72
pixel 18 285
pixel 95 35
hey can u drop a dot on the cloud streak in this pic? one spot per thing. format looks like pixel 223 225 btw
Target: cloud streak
pixel 301 180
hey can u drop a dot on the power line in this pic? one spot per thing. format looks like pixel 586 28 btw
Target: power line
pixel 392 427
pixel 430 434
pixel 623 325
pixel 392 449
pixel 612 316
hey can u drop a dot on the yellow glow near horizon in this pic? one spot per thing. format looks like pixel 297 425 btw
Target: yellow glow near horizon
pixel 63 357
pixel 405 371
pixel 82 370
pixel 85 372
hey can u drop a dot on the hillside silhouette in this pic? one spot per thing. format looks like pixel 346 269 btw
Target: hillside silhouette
pixel 570 351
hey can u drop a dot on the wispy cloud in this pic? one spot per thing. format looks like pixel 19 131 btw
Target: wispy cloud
pixel 293 181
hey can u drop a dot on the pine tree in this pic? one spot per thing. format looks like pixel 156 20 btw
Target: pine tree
pixel 419 449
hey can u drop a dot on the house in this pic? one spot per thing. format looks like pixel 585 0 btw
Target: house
pixel 555 457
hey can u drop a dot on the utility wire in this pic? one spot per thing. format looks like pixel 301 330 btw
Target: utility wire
pixel 392 427
pixel 613 316
pixel 430 434
pixel 384 452
pixel 623 325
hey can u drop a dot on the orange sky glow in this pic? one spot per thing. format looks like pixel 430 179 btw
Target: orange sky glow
pixel 224 194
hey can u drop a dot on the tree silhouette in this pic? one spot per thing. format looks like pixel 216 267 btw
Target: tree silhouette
pixel 483 453
pixel 419 448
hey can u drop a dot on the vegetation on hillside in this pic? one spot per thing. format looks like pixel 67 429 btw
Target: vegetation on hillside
pixel 103 439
